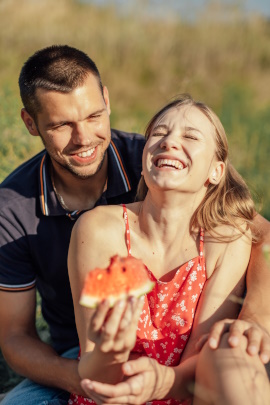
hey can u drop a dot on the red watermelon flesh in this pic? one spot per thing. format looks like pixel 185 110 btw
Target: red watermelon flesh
pixel 122 278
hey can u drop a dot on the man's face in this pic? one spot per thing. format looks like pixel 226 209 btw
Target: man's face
pixel 75 127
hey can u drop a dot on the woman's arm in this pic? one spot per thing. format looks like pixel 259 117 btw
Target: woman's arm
pixel 106 336
pixel 254 318
pixel 226 265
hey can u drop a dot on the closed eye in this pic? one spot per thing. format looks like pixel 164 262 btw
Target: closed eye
pixel 158 134
pixel 59 125
pixel 189 136
pixel 94 116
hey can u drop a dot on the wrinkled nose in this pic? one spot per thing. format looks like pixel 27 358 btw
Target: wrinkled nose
pixel 170 141
pixel 80 135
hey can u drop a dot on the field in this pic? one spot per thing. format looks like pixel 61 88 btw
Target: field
pixel 220 58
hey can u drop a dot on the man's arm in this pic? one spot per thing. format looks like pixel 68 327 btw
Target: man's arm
pixel 23 349
pixel 256 304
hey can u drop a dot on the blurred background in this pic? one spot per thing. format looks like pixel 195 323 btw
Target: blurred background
pixel 149 51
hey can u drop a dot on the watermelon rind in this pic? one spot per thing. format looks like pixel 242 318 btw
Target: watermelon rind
pixel 92 301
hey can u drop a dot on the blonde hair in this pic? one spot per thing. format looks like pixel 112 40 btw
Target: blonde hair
pixel 227 203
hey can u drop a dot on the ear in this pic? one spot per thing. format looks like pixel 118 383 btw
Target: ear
pixel 107 99
pixel 217 172
pixel 29 122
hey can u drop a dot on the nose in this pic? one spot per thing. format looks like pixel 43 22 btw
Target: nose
pixel 80 134
pixel 170 141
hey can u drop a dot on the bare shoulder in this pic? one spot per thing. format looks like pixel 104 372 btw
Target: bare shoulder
pixel 99 218
pixel 227 245
pixel 98 235
pixel 262 228
pixel 102 218
pixel 96 227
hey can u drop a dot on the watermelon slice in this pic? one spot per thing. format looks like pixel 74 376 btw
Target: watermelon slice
pixel 122 278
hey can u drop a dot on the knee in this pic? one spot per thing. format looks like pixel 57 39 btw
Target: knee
pixel 225 361
pixel 225 355
pixel 218 363
pixel 221 373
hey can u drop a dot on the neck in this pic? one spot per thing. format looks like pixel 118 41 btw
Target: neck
pixel 168 217
pixel 75 193
pixel 163 229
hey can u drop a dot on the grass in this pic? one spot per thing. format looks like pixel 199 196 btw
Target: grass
pixel 220 58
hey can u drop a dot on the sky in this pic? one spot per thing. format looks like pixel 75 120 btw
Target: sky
pixel 188 9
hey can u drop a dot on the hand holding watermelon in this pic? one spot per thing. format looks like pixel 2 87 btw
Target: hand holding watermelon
pixel 113 330
pixel 114 294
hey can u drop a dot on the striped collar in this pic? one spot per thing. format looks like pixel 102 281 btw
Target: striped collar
pixel 118 183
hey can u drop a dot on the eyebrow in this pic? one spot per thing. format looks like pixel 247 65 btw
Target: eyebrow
pixel 166 128
pixel 193 129
pixel 161 126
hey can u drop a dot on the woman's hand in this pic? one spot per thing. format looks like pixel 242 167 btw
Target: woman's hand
pixel 258 338
pixel 114 330
pixel 145 380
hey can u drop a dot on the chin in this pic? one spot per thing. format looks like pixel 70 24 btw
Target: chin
pixel 83 175
pixel 84 172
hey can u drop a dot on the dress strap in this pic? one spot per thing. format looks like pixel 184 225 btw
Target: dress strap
pixel 125 215
pixel 201 241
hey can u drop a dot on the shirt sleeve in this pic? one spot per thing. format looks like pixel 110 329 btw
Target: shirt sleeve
pixel 16 267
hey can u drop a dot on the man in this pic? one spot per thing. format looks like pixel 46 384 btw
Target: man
pixel 84 164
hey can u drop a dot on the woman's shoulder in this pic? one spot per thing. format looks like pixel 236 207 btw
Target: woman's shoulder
pixel 102 225
pixel 226 241
pixel 103 216
pixel 225 233
pixel 98 220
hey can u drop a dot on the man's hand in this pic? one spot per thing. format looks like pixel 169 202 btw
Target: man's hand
pixel 145 380
pixel 258 338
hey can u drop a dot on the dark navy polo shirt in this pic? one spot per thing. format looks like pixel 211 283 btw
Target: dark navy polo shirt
pixel 35 230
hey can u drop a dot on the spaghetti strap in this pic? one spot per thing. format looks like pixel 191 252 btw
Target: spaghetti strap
pixel 201 242
pixel 125 215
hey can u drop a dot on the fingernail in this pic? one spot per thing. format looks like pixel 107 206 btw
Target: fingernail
pixel 127 368
pixel 265 358
pixel 121 303
pixel 213 343
pixel 89 385
pixel 252 349
pixel 105 302
pixel 233 340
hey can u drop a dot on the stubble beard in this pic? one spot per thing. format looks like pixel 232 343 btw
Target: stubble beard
pixel 68 167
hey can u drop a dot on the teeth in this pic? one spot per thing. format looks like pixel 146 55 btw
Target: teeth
pixel 169 162
pixel 87 153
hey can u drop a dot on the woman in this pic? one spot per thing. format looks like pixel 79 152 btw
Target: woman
pixel 193 208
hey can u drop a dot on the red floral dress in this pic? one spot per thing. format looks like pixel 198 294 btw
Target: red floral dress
pixel 167 317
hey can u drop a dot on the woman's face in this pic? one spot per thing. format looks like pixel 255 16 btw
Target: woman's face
pixel 180 151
